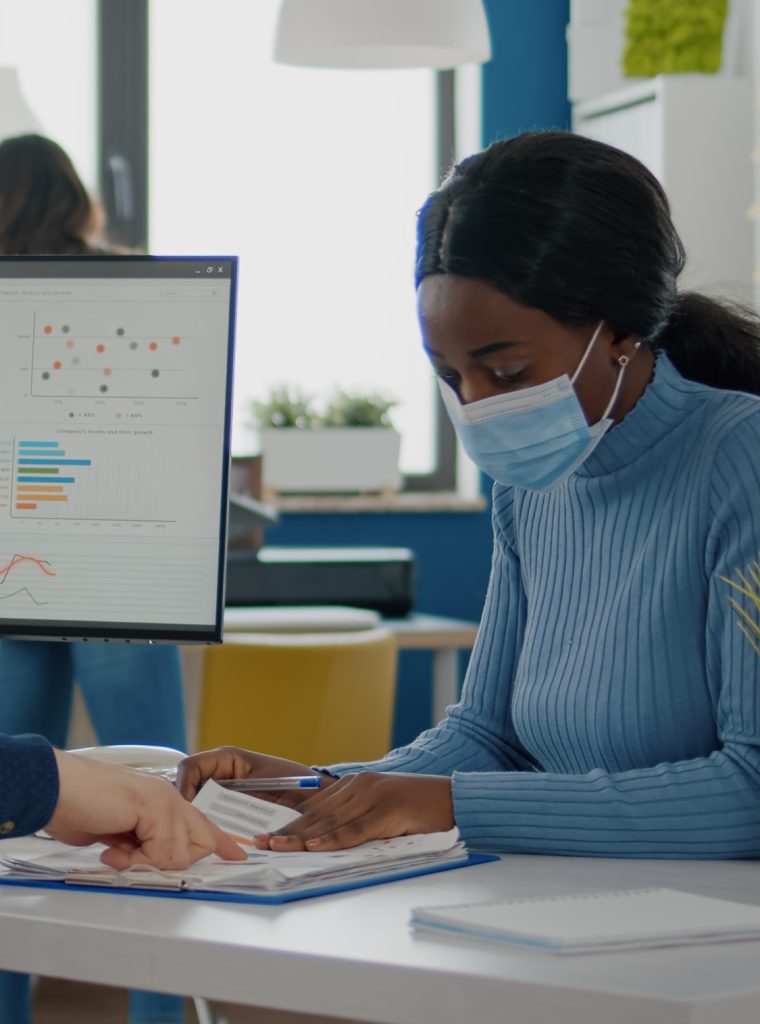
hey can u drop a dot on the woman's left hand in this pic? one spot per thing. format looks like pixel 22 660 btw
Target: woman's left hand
pixel 364 806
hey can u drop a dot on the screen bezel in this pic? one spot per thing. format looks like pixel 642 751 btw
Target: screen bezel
pixel 151 633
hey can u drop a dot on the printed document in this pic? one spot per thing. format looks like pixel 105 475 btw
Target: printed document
pixel 264 871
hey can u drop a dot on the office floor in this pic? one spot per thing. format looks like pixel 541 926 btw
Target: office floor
pixel 69 1002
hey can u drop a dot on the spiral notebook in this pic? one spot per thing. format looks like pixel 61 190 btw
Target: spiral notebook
pixel 596 922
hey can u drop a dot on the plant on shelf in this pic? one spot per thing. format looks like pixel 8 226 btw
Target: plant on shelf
pixel 347 409
pixel 284 407
pixel 351 447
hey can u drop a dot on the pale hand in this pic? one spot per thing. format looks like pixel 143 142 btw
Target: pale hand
pixel 141 819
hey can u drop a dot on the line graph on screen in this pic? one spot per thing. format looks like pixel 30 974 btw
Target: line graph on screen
pixel 105 577
pixel 15 587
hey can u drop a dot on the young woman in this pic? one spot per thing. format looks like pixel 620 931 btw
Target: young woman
pixel 611 703
pixel 133 693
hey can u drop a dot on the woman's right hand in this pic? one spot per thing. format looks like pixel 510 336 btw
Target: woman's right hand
pixel 233 763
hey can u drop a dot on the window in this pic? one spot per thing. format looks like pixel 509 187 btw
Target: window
pixel 52 45
pixel 313 177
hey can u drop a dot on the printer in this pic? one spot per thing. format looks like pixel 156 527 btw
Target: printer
pixel 379 578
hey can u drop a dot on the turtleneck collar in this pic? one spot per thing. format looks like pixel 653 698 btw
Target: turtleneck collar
pixel 666 400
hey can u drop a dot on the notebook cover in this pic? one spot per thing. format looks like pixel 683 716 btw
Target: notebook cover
pixel 598 921
pixel 274 898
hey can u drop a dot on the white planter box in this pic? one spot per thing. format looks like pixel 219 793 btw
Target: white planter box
pixel 330 460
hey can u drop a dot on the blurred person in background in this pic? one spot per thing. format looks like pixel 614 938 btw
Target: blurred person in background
pixel 133 693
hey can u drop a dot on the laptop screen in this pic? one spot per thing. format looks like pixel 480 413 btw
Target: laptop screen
pixel 115 408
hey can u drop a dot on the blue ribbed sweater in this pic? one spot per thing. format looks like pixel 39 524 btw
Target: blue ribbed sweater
pixel 611 705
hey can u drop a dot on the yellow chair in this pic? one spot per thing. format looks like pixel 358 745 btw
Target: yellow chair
pixel 316 698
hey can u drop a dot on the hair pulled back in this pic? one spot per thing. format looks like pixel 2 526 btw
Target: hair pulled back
pixel 582 231
pixel 44 207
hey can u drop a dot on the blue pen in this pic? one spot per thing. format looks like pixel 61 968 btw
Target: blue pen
pixel 261 785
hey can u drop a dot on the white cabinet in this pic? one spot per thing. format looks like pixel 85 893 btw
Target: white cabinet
pixel 694 132
pixel 595 41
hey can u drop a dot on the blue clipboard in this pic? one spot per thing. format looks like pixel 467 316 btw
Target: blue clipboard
pixel 271 899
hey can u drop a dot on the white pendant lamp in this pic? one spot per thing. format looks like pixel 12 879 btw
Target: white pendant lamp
pixel 382 33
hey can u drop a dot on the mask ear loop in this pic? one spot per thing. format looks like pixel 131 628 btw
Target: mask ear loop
pixel 587 353
pixel 622 361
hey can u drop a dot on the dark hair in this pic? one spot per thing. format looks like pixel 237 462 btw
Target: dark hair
pixel 582 231
pixel 44 207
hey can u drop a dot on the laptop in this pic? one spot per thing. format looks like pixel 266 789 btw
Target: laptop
pixel 115 413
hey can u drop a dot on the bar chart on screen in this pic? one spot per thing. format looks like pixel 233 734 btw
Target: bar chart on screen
pixel 108 478
pixel 113 476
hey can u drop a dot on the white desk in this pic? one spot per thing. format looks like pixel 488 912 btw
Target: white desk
pixel 352 956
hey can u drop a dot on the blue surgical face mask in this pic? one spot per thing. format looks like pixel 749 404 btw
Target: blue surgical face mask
pixel 533 438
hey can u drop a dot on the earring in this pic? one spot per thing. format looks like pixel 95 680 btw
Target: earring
pixel 625 360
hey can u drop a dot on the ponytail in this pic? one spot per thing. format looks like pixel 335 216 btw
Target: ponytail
pixel 713 342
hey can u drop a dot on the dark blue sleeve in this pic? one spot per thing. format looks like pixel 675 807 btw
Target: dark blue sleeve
pixel 28 784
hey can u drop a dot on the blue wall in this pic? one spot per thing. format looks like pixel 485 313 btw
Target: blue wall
pixel 525 84
pixel 524 87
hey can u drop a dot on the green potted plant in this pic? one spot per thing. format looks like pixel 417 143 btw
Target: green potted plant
pixel 350 447
pixel 347 409
pixel 284 407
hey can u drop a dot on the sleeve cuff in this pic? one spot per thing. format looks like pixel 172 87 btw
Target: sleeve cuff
pixel 28 785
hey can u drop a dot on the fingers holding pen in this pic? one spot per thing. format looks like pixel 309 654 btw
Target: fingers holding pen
pixel 231 763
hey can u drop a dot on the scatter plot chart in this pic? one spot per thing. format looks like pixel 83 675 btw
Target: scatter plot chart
pixel 104 357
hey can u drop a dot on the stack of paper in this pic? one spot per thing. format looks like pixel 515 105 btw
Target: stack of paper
pixel 596 922
pixel 264 871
